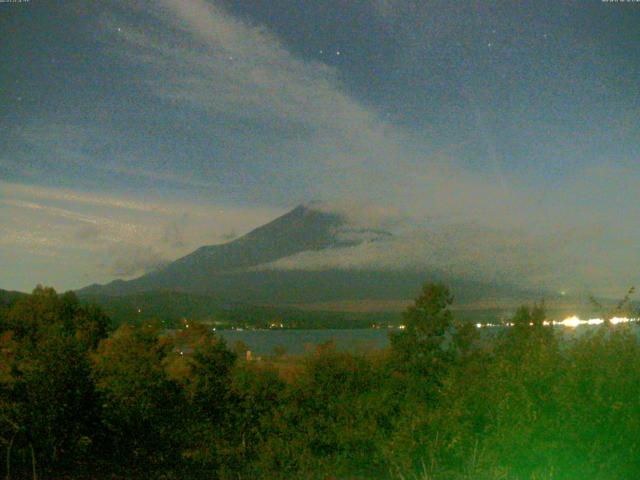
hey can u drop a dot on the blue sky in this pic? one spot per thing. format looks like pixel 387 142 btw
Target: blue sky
pixel 136 132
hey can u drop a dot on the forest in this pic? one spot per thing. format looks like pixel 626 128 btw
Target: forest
pixel 82 399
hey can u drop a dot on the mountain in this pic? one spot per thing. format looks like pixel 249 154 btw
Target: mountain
pixel 302 229
pixel 242 270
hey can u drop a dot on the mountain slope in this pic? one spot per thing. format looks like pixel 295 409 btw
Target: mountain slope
pixel 299 230
pixel 242 271
pixel 302 229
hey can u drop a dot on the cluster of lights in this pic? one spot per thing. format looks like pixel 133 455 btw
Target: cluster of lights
pixel 576 322
pixel 571 322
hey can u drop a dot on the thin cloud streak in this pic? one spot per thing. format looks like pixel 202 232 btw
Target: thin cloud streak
pixel 107 237
pixel 349 152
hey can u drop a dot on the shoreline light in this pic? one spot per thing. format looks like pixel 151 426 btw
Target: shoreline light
pixel 570 322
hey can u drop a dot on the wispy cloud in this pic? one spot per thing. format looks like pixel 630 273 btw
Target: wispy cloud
pixel 197 54
pixel 67 195
pixel 464 251
pixel 134 260
pixel 75 147
pixel 108 236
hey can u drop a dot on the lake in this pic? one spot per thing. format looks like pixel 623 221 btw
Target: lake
pixel 263 342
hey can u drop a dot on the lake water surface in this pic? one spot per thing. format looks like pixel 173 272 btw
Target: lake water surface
pixel 263 342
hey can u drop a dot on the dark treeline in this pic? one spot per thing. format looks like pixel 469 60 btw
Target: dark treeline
pixel 80 401
pixel 170 308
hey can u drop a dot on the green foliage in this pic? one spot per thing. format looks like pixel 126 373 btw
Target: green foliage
pixel 424 350
pixel 443 402
pixel 426 325
pixel 210 398
pixel 210 380
pixel 331 420
pixel 257 394
pixel 47 397
pixel 32 316
pixel 142 406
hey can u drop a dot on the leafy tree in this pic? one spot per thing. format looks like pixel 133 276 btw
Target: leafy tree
pixel 331 420
pixel 204 371
pixel 424 346
pixel 623 307
pixel 46 393
pixel 210 382
pixel 30 317
pixel 143 407
pixel 528 330
pixel 257 393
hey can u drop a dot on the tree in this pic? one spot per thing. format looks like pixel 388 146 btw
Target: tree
pixel 46 392
pixel 30 317
pixel 210 377
pixel 256 397
pixel 529 333
pixel 143 407
pixel 424 345
pixel 623 307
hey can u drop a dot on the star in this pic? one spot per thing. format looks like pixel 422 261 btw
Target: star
pixel 119 29
pixel 338 52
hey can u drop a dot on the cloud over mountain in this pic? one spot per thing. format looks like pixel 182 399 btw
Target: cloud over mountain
pixel 133 260
pixel 314 253
pixel 186 117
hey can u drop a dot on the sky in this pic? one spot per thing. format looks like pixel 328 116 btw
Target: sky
pixel 504 134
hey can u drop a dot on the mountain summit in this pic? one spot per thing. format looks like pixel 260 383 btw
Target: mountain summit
pixel 301 229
